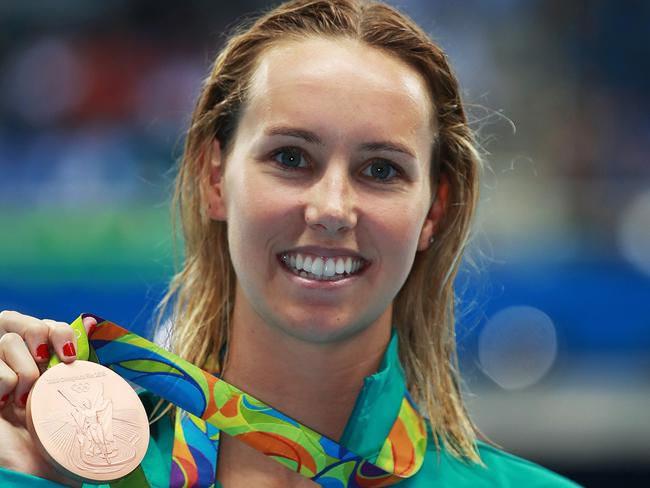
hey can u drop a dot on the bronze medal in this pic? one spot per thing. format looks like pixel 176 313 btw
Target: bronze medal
pixel 89 421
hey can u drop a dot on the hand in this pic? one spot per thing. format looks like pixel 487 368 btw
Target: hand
pixel 26 344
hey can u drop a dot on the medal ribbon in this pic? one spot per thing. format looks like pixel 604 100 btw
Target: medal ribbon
pixel 205 397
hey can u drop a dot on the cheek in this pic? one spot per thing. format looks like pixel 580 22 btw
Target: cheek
pixel 396 231
pixel 257 215
pixel 399 225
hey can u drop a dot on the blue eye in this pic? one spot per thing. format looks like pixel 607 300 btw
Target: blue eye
pixel 382 171
pixel 290 157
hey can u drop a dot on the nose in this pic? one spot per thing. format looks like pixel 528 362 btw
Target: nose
pixel 331 207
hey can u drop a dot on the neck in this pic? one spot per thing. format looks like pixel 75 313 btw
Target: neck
pixel 316 384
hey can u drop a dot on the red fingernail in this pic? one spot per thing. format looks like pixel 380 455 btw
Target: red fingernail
pixel 43 351
pixel 23 399
pixel 4 398
pixel 68 349
pixel 91 330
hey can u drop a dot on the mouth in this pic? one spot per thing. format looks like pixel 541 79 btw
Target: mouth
pixel 322 268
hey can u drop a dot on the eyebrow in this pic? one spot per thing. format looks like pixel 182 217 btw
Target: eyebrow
pixel 312 138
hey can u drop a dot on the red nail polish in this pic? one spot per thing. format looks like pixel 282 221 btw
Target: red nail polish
pixel 4 398
pixel 68 349
pixel 23 399
pixel 91 330
pixel 43 351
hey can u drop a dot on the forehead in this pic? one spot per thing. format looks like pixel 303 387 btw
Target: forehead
pixel 323 80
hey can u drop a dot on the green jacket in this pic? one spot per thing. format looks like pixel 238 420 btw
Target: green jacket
pixel 374 413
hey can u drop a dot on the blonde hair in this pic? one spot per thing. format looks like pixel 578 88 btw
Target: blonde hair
pixel 202 292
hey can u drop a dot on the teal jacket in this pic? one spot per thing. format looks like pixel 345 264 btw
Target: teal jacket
pixel 374 413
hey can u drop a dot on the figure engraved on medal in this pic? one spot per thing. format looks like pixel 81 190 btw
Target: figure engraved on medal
pixel 89 421
pixel 90 432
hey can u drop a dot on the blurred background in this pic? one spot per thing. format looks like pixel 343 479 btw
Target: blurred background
pixel 553 331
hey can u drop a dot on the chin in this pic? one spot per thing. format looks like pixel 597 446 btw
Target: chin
pixel 319 331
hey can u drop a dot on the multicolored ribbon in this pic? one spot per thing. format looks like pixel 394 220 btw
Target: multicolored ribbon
pixel 196 448
pixel 209 405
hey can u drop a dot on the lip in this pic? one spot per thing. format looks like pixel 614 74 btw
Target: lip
pixel 326 252
pixel 321 285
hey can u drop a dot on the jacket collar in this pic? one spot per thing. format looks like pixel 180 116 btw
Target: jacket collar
pixel 377 405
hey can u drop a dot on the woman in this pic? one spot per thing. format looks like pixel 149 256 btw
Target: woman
pixel 326 191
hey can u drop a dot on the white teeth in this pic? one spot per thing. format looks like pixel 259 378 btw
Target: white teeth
pixel 306 265
pixel 330 267
pixel 317 267
pixel 320 267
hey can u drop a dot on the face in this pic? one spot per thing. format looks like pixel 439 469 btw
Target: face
pixel 331 162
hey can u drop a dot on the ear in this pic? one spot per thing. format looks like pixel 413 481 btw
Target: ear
pixel 436 213
pixel 214 189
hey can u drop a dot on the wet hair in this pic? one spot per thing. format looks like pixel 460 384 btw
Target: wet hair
pixel 202 293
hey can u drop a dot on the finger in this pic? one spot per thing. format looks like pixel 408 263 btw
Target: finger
pixel 42 367
pixel 34 331
pixel 8 380
pixel 14 352
pixel 63 340
pixel 36 337
pixel 89 325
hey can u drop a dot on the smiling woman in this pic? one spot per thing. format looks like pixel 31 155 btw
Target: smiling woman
pixel 326 191
pixel 329 132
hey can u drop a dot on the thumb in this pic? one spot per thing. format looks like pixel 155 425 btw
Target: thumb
pixel 89 325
